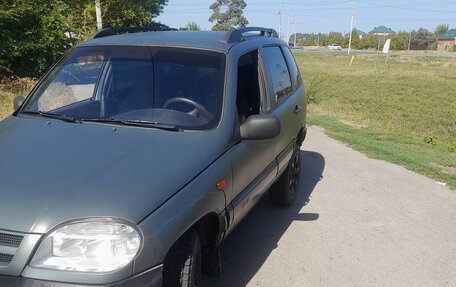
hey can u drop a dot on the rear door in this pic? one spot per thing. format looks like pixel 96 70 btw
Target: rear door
pixel 287 98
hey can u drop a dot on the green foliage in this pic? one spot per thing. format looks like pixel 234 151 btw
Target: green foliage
pixel 439 30
pixel 424 37
pixel 452 147
pixel 192 26
pixel 227 14
pixel 336 38
pixel 399 41
pixel 429 139
pixel 310 40
pixel 31 36
pixel 34 33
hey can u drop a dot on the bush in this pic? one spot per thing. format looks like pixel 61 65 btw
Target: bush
pixel 32 37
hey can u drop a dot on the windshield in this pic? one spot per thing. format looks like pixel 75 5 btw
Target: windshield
pixel 168 86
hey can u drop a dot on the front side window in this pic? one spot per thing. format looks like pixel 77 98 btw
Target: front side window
pixel 251 94
pixel 166 86
pixel 278 70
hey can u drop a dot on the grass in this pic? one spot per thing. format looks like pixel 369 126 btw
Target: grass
pixel 6 104
pixel 11 88
pixel 405 115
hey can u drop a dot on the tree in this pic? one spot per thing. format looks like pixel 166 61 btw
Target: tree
pixel 399 41
pixel 336 38
pixel 422 37
pixel 115 14
pixel 34 33
pixel 231 17
pixel 32 36
pixel 439 30
pixel 192 26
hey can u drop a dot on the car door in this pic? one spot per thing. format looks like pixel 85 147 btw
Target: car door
pixel 253 161
pixel 287 98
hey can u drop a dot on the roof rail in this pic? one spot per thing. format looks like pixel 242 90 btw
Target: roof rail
pixel 110 32
pixel 102 33
pixel 235 35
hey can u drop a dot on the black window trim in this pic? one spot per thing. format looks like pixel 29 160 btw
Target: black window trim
pixel 293 81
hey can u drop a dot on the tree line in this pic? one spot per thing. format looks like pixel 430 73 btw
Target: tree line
pixel 34 33
pixel 422 38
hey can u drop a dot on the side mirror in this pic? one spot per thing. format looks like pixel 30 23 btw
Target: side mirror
pixel 18 101
pixel 260 127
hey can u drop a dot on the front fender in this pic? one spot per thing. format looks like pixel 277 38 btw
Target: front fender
pixel 198 198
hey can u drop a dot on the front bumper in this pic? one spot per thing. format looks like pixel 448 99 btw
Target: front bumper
pixel 148 278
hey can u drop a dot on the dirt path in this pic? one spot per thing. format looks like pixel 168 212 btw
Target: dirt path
pixel 356 222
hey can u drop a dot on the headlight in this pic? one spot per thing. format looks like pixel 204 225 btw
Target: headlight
pixel 100 245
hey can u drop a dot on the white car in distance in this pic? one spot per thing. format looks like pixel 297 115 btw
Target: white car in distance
pixel 334 47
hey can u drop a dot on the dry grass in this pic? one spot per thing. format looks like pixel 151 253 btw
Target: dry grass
pixel 11 88
pixel 17 85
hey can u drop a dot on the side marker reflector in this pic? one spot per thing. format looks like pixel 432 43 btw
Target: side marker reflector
pixel 221 184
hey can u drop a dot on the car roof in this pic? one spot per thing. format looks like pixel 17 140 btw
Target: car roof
pixel 195 39
pixel 209 40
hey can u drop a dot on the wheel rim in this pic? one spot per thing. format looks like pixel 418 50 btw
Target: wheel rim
pixel 294 174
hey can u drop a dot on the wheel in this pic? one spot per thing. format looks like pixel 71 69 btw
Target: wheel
pixel 182 264
pixel 200 111
pixel 283 192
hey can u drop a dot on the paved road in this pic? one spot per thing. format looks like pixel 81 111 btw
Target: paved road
pixel 356 222
pixel 355 52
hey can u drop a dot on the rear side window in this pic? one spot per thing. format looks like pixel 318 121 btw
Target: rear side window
pixel 278 70
pixel 294 71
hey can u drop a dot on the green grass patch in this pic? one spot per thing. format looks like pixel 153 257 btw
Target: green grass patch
pixel 413 154
pixel 405 115
pixel 416 96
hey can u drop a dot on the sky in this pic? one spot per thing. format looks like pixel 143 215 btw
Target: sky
pixel 313 16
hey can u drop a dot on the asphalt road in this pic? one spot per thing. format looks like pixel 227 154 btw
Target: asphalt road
pixel 355 52
pixel 356 222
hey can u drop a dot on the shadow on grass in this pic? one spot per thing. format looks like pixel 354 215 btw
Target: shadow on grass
pixel 251 242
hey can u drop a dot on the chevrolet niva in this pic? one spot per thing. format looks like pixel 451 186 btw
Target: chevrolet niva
pixel 137 154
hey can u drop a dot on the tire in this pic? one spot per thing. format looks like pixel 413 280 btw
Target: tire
pixel 283 192
pixel 182 264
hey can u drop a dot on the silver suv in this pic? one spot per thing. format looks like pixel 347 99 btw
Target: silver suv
pixel 137 154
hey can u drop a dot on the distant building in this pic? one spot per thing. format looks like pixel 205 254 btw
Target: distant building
pixel 447 40
pixel 361 34
pixel 381 32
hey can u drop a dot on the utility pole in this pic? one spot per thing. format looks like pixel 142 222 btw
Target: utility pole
pixel 229 14
pixel 351 28
pixel 294 42
pixel 98 12
pixel 410 40
pixel 288 31
pixel 280 20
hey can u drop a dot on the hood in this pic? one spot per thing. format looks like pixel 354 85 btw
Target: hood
pixel 53 171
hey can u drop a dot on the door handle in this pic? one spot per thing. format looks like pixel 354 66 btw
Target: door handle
pixel 297 109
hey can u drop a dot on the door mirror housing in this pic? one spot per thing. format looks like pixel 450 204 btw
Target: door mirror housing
pixel 18 101
pixel 260 127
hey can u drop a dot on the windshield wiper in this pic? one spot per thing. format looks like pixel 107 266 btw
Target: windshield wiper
pixel 137 123
pixel 64 118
